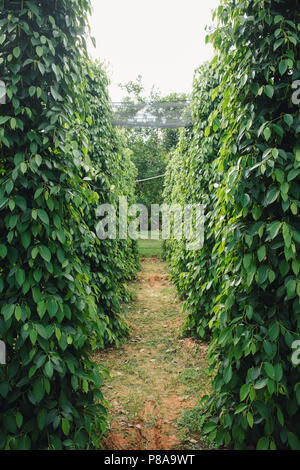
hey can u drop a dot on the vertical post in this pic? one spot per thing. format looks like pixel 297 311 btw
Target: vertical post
pixel 2 353
pixel 2 92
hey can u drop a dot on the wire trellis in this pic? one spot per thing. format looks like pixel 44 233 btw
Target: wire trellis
pixel 158 114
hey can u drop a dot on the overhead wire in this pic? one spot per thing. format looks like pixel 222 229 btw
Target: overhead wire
pixel 152 178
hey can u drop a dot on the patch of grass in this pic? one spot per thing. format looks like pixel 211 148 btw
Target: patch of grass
pixel 134 405
pixel 150 248
pixel 191 424
pixel 130 366
pixel 195 381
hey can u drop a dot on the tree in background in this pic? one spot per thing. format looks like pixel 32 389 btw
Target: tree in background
pixel 150 147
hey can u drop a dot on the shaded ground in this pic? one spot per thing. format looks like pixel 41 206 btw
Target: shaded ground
pixel 157 374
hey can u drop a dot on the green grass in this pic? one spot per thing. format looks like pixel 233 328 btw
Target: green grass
pixel 194 380
pixel 191 425
pixel 150 248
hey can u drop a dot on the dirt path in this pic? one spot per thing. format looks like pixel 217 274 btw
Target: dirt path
pixel 156 374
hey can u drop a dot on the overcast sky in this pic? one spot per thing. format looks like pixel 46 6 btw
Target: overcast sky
pixel 163 40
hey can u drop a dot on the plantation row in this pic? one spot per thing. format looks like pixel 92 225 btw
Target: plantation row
pixel 60 287
pixel 241 160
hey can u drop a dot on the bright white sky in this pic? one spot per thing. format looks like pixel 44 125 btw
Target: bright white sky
pixel 163 40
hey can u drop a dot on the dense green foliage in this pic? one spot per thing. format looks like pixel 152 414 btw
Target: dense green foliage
pixel 243 287
pixel 195 155
pixel 60 286
pixel 110 262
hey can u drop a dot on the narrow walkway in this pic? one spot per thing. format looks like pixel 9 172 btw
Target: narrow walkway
pixel 157 374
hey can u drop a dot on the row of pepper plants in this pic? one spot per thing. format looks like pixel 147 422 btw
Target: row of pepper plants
pixel 241 160
pixel 61 288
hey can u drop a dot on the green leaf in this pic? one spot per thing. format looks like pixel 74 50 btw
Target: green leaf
pixel 38 160
pixel 270 370
pixel 23 167
pixel 291 288
pixel 20 276
pixel 269 91
pixel 278 372
pixel 3 251
pixel 43 216
pixel 33 336
pixel 261 253
pixel 241 408
pixel 38 192
pixel 293 441
pixel 268 348
pixel 65 426
pixel 41 308
pixel 293 174
pixel 209 427
pixel 45 253
pixel 288 118
pixel 8 311
pixel 38 390
pixel 41 419
pixel 37 274
pixel 296 267
pixel 18 313
pixel 244 391
pixel 26 240
pixel 4 389
pixel 16 52
pixel 280 416
pixel 32 91
pixel 261 383
pixel 247 260
pixel 227 374
pixel 250 419
pixel 19 419
pixel 274 331
pixel 273 229
pixel 263 444
pixel 283 65
pixel 49 370
pixel 52 307
pixel 279 174
pixel 284 267
pixel 267 133
pixel 271 196
pixel 4 119
pixel 39 51
pixel 55 94
pixel 251 271
pixel 278 18
pixel 61 236
pixel 34 252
